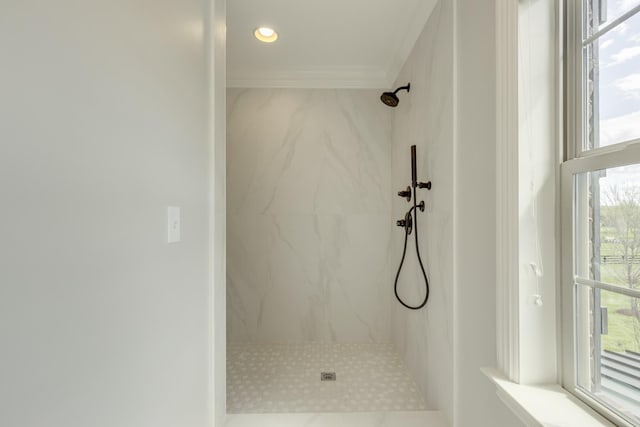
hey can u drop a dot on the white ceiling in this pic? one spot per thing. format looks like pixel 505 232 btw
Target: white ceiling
pixel 328 43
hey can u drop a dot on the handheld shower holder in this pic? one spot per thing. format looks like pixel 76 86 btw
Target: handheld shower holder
pixel 426 185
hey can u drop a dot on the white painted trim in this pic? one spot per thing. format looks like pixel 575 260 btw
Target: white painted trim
pixel 457 409
pixel 566 286
pixel 608 148
pixel 630 292
pixel 518 410
pixel 544 405
pixel 304 83
pixel 573 138
pixel 561 152
pixel 212 395
pixel 507 217
pixel 215 49
pixel 619 155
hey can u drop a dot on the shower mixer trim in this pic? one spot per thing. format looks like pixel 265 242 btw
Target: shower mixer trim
pixel 405 193
pixel 409 224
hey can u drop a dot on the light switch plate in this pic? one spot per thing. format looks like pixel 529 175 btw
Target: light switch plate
pixel 173 224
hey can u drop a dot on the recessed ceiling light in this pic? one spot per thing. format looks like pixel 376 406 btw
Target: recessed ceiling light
pixel 266 34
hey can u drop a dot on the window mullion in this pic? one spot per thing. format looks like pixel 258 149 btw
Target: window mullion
pixel 611 26
pixel 596 284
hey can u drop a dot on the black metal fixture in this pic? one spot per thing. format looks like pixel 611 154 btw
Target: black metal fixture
pixel 405 193
pixel 391 99
pixel 409 224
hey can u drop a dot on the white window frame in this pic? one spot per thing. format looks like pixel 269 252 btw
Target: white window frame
pixel 624 155
pixel 581 161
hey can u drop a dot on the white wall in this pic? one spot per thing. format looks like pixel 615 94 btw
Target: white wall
pixel 475 400
pixel 424 117
pixel 309 201
pixel 103 125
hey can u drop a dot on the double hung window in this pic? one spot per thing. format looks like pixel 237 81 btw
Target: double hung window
pixel 601 207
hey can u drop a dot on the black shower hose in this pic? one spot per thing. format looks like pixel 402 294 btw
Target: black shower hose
pixel 404 253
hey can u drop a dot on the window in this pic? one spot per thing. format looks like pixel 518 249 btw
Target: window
pixel 601 207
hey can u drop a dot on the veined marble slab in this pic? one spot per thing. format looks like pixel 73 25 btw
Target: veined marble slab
pixel 309 216
pixel 361 419
pixel 308 151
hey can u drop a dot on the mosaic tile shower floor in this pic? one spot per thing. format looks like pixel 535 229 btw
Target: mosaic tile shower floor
pixel 285 378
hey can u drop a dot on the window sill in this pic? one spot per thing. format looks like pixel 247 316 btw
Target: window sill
pixel 544 405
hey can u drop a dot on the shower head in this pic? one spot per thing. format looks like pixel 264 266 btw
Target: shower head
pixel 391 99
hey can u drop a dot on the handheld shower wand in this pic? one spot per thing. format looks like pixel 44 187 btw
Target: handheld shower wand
pixel 414 173
pixel 409 224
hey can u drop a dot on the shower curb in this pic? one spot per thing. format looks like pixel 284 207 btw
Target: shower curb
pixel 339 419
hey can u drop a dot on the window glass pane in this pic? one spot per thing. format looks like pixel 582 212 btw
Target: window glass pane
pixel 620 225
pixel 612 86
pixel 613 9
pixel 608 226
pixel 609 341
pixel 600 13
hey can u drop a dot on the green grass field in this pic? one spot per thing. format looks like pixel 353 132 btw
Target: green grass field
pixel 624 329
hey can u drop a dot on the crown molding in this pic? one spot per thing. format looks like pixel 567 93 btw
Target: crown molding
pixel 329 77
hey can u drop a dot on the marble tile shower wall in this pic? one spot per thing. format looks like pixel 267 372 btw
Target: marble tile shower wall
pixel 425 117
pixel 309 214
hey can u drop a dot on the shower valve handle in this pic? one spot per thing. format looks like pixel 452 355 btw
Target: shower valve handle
pixel 406 223
pixel 406 194
pixel 426 185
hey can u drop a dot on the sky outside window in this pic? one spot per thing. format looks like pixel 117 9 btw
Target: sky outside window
pixel 619 76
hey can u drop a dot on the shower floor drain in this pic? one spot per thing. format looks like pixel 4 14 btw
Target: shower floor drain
pixel 327 376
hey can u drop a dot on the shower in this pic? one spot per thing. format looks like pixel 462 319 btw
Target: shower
pixel 293 344
pixel 410 224
pixel 391 99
